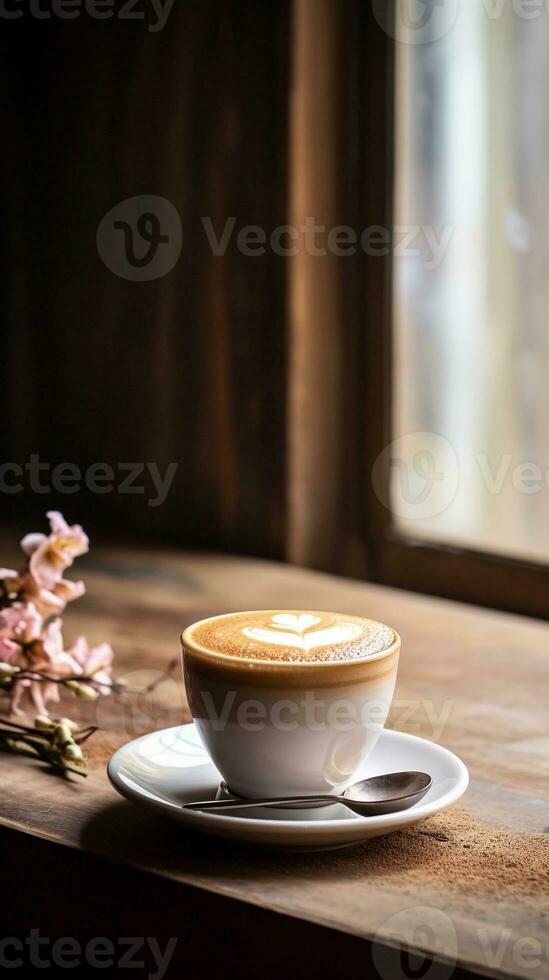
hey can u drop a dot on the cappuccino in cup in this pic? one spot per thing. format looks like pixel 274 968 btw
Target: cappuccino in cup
pixel 289 702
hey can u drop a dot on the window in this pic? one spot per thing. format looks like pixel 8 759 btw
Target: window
pixel 470 307
pixel 455 351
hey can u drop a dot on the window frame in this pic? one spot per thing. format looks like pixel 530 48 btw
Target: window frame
pixel 390 557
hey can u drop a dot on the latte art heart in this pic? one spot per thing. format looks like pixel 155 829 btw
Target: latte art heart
pixel 302 636
pixel 279 636
pixel 298 623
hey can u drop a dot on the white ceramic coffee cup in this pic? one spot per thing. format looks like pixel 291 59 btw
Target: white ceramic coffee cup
pixel 286 728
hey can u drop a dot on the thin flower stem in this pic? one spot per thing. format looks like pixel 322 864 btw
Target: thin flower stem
pixel 84 735
pixel 22 728
pixel 27 673
pixel 80 735
pixel 8 733
pixel 38 750
pixel 22 751
pixel 164 677
pixel 38 742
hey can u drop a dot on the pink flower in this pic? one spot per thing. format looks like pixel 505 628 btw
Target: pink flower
pixel 36 691
pixel 48 653
pixel 94 662
pixel 21 622
pixel 28 600
pixel 50 555
pixel 52 602
pixel 66 590
pixel 8 650
pixel 10 581
pixel 45 654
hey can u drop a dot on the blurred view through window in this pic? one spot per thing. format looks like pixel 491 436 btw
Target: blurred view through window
pixel 470 461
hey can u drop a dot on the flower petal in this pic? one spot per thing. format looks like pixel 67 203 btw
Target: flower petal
pixel 31 542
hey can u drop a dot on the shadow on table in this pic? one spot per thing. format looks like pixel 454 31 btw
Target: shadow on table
pixel 125 833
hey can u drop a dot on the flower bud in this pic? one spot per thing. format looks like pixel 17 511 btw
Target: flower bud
pixel 18 745
pixel 41 721
pixel 62 735
pixel 73 725
pixel 73 753
pixel 8 670
pixel 86 692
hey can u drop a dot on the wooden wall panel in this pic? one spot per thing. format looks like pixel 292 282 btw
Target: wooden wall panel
pixel 186 368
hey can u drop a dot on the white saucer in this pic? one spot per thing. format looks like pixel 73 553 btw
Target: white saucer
pixel 165 769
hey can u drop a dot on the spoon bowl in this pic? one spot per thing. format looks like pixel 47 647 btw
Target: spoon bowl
pixel 387 793
pixel 369 797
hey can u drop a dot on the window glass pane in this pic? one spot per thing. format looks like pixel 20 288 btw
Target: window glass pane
pixel 470 462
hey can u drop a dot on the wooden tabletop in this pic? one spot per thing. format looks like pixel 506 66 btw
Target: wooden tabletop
pixel 469 886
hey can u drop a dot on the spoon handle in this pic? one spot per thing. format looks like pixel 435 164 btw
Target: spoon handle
pixel 247 804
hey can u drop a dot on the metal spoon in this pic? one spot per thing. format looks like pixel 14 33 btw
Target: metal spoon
pixel 369 797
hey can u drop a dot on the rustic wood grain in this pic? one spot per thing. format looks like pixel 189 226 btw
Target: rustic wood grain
pixel 188 368
pixel 475 681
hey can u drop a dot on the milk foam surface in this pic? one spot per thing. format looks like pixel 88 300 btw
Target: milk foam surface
pixel 296 636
